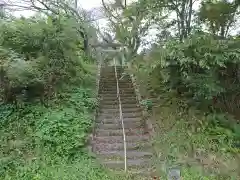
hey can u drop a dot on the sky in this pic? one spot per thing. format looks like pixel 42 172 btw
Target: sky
pixel 90 4
pixel 85 4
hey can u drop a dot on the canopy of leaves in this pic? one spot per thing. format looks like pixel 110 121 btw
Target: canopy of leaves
pixel 201 65
pixel 218 15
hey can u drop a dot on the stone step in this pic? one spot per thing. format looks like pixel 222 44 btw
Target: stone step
pixel 119 132
pixel 121 91
pixel 119 139
pixel 111 68
pixel 112 76
pixel 127 110
pixel 114 85
pixel 120 146
pixel 114 88
pixel 136 163
pixel 114 91
pixel 106 100
pixel 115 119
pixel 118 125
pixel 110 106
pixel 115 102
pixel 134 154
pixel 121 83
pixel 119 74
pixel 132 114
pixel 111 100
pixel 111 97
pixel 125 114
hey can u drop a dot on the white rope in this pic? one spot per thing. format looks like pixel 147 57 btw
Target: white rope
pixel 121 118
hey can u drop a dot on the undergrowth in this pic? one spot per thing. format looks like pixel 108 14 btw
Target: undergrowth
pixel 201 144
pixel 49 143
pixel 188 140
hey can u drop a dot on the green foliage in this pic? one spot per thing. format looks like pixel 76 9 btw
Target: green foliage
pixel 198 67
pixel 200 146
pixel 34 139
pixel 43 169
pixel 147 103
pixel 41 56
pixel 39 51
pixel 218 15
pixel 64 131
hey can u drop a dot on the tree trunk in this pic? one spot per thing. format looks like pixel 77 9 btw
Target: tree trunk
pixel 188 24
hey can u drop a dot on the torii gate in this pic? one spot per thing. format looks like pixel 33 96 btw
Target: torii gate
pixel 118 56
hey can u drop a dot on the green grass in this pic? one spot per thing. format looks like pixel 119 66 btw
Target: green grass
pixel 38 143
pixel 200 145
pixel 45 169
pixel 186 139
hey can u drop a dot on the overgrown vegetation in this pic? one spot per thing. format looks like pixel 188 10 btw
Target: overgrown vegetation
pixel 47 100
pixel 192 67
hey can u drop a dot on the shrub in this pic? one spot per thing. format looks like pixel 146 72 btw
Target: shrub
pixel 202 67
pixel 38 53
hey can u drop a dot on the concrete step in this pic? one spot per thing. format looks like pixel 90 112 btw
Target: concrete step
pixel 132 114
pixel 127 110
pixel 112 76
pixel 112 82
pixel 114 85
pixel 115 119
pixel 134 154
pixel 114 95
pixel 99 147
pixel 107 68
pixel 119 139
pixel 136 163
pixel 115 102
pixel 114 91
pixel 125 114
pixel 118 125
pixel 119 132
pixel 114 88
pixel 125 98
pixel 110 106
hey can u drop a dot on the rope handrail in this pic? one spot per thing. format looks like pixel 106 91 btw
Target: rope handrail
pixel 98 75
pixel 121 118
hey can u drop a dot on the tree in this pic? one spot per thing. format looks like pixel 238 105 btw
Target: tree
pixel 129 24
pixel 2 9
pixel 219 16
pixel 56 8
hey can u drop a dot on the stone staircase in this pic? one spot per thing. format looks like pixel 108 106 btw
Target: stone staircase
pixel 108 141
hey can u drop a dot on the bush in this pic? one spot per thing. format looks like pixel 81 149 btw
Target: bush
pixel 63 131
pixel 202 67
pixel 38 53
